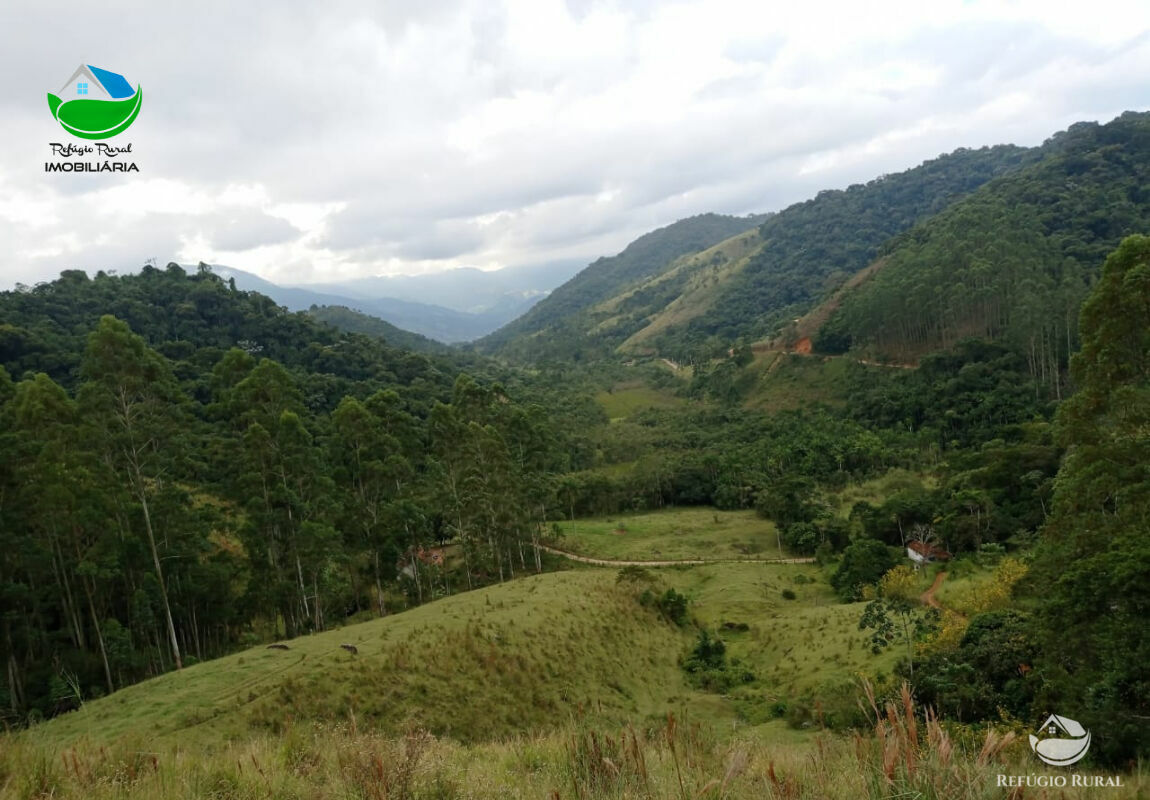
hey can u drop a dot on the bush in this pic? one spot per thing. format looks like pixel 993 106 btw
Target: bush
pixel 671 604
pixel 708 668
pixel 789 594
pixel 863 563
pixel 634 574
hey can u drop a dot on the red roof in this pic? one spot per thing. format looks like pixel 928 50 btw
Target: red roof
pixel 929 551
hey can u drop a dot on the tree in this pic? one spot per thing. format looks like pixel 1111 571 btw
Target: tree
pixel 897 615
pixel 1090 576
pixel 133 400
pixel 372 475
pixel 863 563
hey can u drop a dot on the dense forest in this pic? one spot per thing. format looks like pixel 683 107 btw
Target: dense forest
pixel 800 253
pixel 188 483
pixel 997 243
pixel 1013 261
pixel 187 469
pixel 814 246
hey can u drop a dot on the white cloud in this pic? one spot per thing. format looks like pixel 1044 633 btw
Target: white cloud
pixel 307 142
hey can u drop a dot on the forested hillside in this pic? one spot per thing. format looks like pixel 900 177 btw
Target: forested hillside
pixel 1012 261
pixel 812 247
pixel 551 328
pixel 696 306
pixel 351 321
pixel 185 467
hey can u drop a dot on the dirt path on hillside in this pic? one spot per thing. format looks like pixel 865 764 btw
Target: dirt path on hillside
pixel 928 597
pixel 606 562
pixel 889 364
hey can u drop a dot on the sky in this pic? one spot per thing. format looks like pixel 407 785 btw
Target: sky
pixel 317 142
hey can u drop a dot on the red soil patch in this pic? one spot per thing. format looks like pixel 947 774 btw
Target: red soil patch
pixel 803 346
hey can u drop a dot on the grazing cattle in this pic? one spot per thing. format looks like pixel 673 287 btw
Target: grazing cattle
pixel 351 648
pixel 278 647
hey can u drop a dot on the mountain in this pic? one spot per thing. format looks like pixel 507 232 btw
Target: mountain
pixel 345 319
pixel 433 321
pixel 467 289
pixel 701 297
pixel 534 334
pixel 193 318
pixel 1012 261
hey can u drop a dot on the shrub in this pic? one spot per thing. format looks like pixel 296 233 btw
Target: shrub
pixel 671 604
pixel 863 563
pixel 708 668
pixel 789 594
pixel 634 574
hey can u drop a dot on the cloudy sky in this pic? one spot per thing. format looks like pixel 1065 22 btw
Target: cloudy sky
pixel 321 141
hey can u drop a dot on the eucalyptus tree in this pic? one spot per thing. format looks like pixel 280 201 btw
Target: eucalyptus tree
pixel 134 403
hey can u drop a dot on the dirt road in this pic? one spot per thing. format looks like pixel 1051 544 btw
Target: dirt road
pixel 928 597
pixel 606 562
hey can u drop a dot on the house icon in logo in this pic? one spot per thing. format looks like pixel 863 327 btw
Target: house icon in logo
pixel 1068 741
pixel 93 83
pixel 95 103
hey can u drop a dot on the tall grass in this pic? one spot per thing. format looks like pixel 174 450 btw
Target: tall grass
pixel 906 753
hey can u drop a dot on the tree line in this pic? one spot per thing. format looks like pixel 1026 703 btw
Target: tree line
pixel 157 511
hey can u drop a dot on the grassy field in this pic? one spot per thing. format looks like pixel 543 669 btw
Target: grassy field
pixel 517 657
pixel 676 533
pixel 562 685
pixel 900 757
pixel 792 645
pixel 630 397
pixel 511 659
pixel 784 382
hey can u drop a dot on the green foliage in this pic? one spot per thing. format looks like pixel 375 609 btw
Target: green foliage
pixel 634 574
pixel 1089 579
pixel 897 616
pixel 173 496
pixel 1013 260
pixel 862 564
pixel 811 246
pixel 671 604
pixel 709 668
pixel 555 328
pixel 974 392
pixel 990 671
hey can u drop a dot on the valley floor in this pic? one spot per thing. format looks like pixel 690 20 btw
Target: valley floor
pixel 566 684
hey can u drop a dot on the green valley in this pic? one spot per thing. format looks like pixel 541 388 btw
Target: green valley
pixel 839 501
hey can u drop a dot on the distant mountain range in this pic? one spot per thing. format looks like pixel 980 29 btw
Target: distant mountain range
pixel 454 306
pixel 997 242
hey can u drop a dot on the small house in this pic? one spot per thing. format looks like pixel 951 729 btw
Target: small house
pixel 923 553
pixel 93 83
